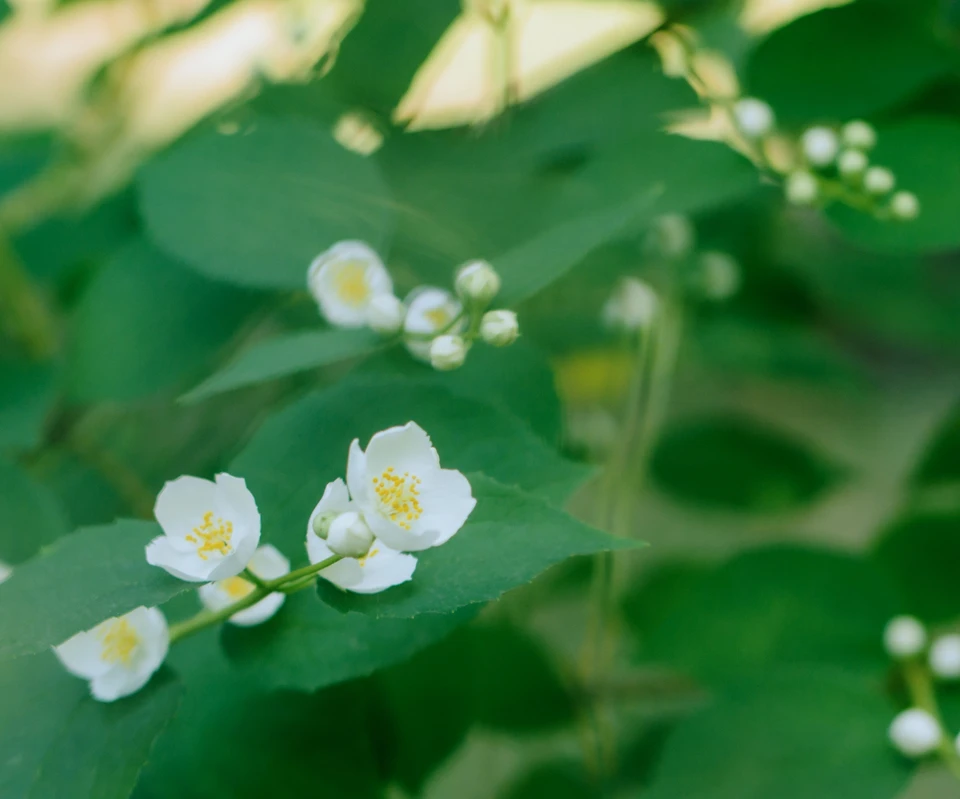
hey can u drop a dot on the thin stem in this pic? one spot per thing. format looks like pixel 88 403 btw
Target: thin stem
pixel 922 695
pixel 306 571
pixel 431 336
pixel 250 577
pixel 23 308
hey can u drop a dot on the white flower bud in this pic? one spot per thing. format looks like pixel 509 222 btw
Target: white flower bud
pixel 356 131
pixel 802 188
pixel 945 657
pixel 905 205
pixel 448 352
pixel 499 328
pixel 671 236
pixel 820 146
pixel 321 524
pixel 632 306
pixel 719 275
pixel 349 535
pixel 859 134
pixel 904 637
pixel 852 163
pixel 477 281
pixel 915 732
pixel 878 180
pixel 754 117
pixel 385 314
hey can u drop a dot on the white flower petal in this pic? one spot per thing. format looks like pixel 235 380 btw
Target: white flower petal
pixel 448 502
pixel 381 569
pixel 81 654
pixel 344 279
pixel 182 502
pixel 163 552
pixel 317 549
pixel 263 611
pixel 268 563
pixel 429 310
pixel 357 471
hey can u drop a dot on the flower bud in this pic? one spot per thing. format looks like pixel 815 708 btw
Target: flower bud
pixel 448 352
pixel 915 732
pixel 905 205
pixel 878 180
pixel 945 657
pixel 349 535
pixel 719 275
pixel 385 314
pixel 859 134
pixel 852 163
pixel 802 188
pixel 754 117
pixel 671 236
pixel 632 306
pixel 904 637
pixel 820 146
pixel 499 328
pixel 322 522
pixel 478 282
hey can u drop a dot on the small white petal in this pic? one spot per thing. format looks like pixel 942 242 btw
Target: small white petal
pixel 945 657
pixel 344 279
pixel 378 571
pixel 356 472
pixel 915 732
pixel 904 636
pixel 754 117
pixel 820 145
pixel 349 535
pixel 430 310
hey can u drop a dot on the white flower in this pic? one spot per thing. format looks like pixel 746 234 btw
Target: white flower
pixel 119 655
pixel 632 305
pixel 915 732
pixel 268 564
pixel 905 205
pixel 671 236
pixel 349 535
pixel 385 314
pixel 499 328
pixel 211 530
pixel 447 352
pixel 878 180
pixel 859 134
pixel 719 275
pixel 5 571
pixel 344 279
pixel 406 498
pixel 851 163
pixel 904 637
pixel 945 657
pixel 754 117
pixel 477 282
pixel 356 131
pixel 802 188
pixel 429 310
pixel 820 145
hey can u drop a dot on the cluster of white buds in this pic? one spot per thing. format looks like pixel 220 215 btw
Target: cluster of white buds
pixel 353 288
pixel 397 499
pixel 917 731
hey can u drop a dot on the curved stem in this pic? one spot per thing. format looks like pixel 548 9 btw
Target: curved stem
pixel 920 686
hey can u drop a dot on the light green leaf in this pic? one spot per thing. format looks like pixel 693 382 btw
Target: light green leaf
pixel 256 208
pixel 508 540
pixel 79 581
pixel 58 743
pixel 283 355
pixel 791 737
pixel 30 515
pixel 27 392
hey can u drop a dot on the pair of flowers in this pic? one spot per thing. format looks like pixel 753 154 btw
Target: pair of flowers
pixel 396 499
pixel 354 289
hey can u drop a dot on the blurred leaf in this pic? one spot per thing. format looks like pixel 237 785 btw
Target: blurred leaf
pixel 79 581
pixel 285 354
pixel 471 567
pixel 792 737
pixel 256 208
pixel 27 392
pixel 559 780
pixel 30 515
pixel 55 741
pixel 777 606
pixel 920 553
pixel 941 461
pixel 158 321
pixel 869 57
pixel 734 463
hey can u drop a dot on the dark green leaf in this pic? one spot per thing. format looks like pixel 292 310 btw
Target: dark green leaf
pixel 27 392
pixel 941 461
pixel 30 515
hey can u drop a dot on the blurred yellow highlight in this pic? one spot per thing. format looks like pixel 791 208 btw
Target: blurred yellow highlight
pixel 593 376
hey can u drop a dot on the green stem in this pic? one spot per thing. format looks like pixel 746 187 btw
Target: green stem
pixel 23 308
pixel 920 686
pixel 250 577
pixel 431 336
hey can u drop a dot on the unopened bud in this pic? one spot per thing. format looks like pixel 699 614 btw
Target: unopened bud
pixel 478 282
pixel 499 328
pixel 719 275
pixel 754 117
pixel 820 146
pixel 904 637
pixel 859 134
pixel 349 535
pixel 915 732
pixel 878 180
pixel 385 314
pixel 905 205
pixel 632 306
pixel 802 188
pixel 945 657
pixel 852 163
pixel 671 236
pixel 321 523
pixel 448 352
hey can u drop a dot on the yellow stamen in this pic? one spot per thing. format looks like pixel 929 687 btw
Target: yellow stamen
pixel 350 282
pixel 119 641
pixel 236 587
pixel 212 536
pixel 438 317
pixel 363 561
pixel 399 496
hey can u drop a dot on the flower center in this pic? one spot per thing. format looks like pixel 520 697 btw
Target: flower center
pixel 119 641
pixel 212 536
pixel 236 587
pixel 351 283
pixel 363 561
pixel 399 496
pixel 438 317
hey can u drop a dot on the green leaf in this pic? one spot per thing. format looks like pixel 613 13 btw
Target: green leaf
pixel 158 321
pixel 555 780
pixel 58 743
pixel 921 153
pixel 941 461
pixel 310 645
pixel 791 737
pixel 774 606
pixel 27 393
pixel 79 581
pixel 733 463
pixel 508 540
pixel 868 58
pixel 30 515
pixel 256 208
pixel 283 355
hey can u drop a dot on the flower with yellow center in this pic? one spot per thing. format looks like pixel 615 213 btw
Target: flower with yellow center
pixel 211 529
pixel 345 279
pixel 119 655
pixel 267 563
pixel 430 311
